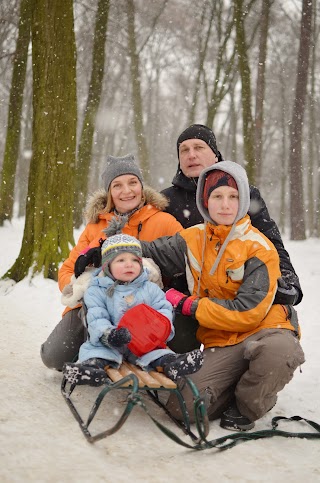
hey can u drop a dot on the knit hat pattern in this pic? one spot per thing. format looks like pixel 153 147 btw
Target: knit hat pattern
pixel 199 131
pixel 117 244
pixel 214 180
pixel 115 167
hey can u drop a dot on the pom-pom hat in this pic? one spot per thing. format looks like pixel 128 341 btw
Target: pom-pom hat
pixel 117 243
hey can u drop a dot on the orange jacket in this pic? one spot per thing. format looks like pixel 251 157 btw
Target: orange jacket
pixel 148 223
pixel 236 301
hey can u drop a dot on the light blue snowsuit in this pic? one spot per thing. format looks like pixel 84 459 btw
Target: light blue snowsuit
pixel 105 312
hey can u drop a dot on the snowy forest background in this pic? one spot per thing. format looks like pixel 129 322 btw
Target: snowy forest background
pixel 86 78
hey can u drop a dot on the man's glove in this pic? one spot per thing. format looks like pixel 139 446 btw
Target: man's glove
pixel 180 302
pixel 116 338
pixel 286 294
pixel 91 256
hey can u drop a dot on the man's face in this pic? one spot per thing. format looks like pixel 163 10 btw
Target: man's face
pixel 195 155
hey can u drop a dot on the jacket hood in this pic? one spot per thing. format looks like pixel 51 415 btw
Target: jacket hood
pixel 98 200
pixel 240 176
pixel 104 281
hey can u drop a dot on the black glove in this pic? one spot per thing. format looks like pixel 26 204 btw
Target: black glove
pixel 92 257
pixel 286 294
pixel 116 337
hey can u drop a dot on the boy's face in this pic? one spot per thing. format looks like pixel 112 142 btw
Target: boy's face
pixel 223 205
pixel 125 267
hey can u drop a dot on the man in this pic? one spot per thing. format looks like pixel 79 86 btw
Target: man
pixel 197 149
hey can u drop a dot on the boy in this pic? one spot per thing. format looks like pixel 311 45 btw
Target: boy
pixel 251 346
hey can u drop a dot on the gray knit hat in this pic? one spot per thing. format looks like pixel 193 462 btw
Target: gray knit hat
pixel 118 166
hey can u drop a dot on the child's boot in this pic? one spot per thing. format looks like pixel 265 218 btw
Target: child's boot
pixel 90 372
pixel 177 365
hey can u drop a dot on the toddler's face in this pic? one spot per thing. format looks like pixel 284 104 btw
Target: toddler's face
pixel 125 267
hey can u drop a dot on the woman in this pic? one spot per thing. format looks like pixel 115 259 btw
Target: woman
pixel 123 196
pixel 251 347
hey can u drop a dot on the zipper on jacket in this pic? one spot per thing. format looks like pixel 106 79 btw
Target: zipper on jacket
pixel 139 229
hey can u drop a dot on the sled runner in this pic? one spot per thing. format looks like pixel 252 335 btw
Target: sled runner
pixel 136 382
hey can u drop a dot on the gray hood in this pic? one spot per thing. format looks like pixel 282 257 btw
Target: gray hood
pixel 240 176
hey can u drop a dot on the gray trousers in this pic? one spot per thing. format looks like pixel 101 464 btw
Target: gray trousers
pixel 252 373
pixel 64 342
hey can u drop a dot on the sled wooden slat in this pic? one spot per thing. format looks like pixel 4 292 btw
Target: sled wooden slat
pixel 163 380
pixel 152 380
pixel 115 376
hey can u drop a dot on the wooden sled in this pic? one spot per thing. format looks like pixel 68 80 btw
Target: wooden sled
pixel 136 382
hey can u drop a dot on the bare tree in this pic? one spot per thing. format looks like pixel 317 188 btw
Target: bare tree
pixel 245 75
pixel 296 184
pixel 203 39
pixel 93 101
pixel 15 113
pixel 136 92
pixel 260 89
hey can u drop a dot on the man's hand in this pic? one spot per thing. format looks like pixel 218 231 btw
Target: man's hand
pixel 286 294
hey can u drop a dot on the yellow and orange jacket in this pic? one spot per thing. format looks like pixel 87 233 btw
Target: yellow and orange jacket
pixel 147 223
pixel 236 301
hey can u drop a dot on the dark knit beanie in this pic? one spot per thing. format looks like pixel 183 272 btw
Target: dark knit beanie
pixel 214 180
pixel 199 131
pixel 117 167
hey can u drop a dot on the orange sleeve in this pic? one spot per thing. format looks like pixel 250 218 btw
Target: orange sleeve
pixel 67 268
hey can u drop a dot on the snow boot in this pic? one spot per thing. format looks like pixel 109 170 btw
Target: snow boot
pixel 90 372
pixel 177 365
pixel 233 420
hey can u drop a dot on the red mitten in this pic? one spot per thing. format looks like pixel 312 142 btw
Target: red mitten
pixel 181 303
pixel 175 297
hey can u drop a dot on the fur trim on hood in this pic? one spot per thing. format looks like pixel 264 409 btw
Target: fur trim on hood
pixel 98 200
pixel 73 293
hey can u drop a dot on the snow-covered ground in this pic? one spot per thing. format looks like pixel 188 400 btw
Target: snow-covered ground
pixel 40 441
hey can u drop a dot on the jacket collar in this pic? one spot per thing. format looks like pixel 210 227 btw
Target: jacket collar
pixel 182 181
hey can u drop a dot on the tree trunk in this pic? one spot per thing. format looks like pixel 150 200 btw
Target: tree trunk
pixel 260 91
pixel 312 135
pixel 202 52
pixel 48 230
pixel 136 93
pixel 296 184
pixel 245 74
pixel 11 153
pixel 224 66
pixel 93 101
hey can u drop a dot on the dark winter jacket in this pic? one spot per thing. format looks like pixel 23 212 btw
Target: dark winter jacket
pixel 182 205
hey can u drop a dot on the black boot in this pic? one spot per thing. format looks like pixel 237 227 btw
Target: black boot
pixel 90 372
pixel 177 365
pixel 232 419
